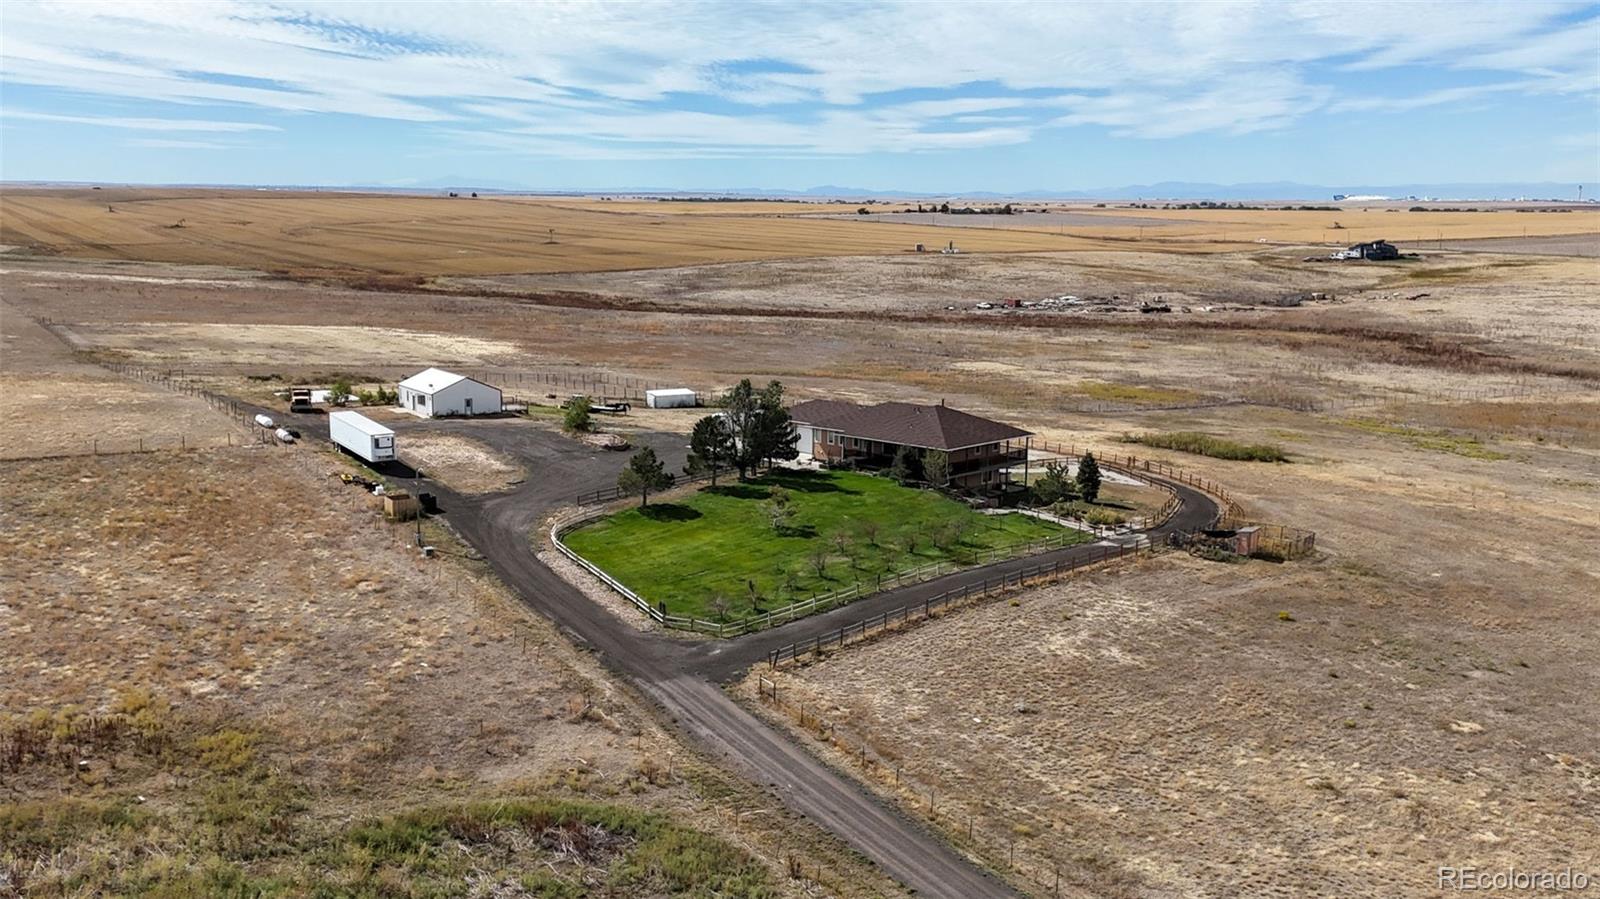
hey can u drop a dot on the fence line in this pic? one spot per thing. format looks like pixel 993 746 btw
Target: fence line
pixel 181 441
pixel 610 494
pixel 565 524
pixel 1132 465
pixel 917 611
pixel 1280 540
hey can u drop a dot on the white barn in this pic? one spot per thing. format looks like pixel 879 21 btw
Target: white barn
pixel 670 398
pixel 433 392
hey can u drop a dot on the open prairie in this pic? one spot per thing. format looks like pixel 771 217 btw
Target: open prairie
pixel 224 671
pixel 1415 695
pixel 316 233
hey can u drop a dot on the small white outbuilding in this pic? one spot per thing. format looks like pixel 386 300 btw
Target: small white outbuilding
pixel 433 392
pixel 670 398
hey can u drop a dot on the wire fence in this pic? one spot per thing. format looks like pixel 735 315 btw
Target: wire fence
pixel 1039 574
pixel 242 415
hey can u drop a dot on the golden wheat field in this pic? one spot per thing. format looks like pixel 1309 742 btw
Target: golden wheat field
pixel 438 236
pixel 413 235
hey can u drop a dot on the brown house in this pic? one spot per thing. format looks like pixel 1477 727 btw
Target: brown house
pixel 981 450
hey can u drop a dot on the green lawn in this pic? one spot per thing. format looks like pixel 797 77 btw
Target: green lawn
pixel 719 539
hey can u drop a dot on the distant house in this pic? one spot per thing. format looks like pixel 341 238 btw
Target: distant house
pixel 981 450
pixel 434 392
pixel 1377 249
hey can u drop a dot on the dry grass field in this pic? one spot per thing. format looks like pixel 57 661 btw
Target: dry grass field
pixel 288 669
pixel 463 464
pixel 350 234
pixel 52 403
pixel 434 236
pixel 223 670
pixel 1338 726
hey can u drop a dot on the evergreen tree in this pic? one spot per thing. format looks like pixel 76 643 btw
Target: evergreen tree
pixel 1088 478
pixel 936 467
pixel 644 474
pixel 711 446
pixel 907 465
pixel 760 426
pixel 778 438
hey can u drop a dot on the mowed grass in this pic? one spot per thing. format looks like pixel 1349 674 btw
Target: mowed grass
pixel 719 540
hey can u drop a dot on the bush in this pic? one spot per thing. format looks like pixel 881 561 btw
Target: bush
pixel 1207 445
pixel 382 396
pixel 1098 516
pixel 575 417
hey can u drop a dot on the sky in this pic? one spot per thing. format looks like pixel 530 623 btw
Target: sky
pixel 930 96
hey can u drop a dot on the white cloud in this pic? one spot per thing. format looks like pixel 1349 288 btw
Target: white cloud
pixel 160 144
pixel 138 124
pixel 719 78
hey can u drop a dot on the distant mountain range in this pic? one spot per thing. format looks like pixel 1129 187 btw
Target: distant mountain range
pixel 1160 191
pixel 1191 190
pixel 1164 190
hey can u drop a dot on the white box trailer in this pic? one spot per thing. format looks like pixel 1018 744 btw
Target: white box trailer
pixel 361 436
pixel 670 398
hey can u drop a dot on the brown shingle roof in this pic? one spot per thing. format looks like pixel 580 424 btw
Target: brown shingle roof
pixel 930 427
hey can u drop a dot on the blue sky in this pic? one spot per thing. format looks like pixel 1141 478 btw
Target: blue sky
pixel 921 96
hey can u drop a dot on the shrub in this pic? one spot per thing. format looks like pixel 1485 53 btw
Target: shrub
pixel 1207 445
pixel 576 417
pixel 381 396
pixel 1095 515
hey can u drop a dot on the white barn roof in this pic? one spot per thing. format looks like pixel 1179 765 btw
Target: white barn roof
pixel 432 380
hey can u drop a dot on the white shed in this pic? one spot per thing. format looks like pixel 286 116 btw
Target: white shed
pixel 434 392
pixel 669 398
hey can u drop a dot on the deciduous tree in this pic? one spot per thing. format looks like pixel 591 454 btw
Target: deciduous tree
pixel 1055 484
pixel 779 509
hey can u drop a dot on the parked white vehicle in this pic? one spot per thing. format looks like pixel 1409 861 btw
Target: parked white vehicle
pixel 361 436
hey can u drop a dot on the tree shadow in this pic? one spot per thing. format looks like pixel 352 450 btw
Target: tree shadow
pixel 807 531
pixel 669 512
pixel 1113 504
pixel 807 482
pixel 741 491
